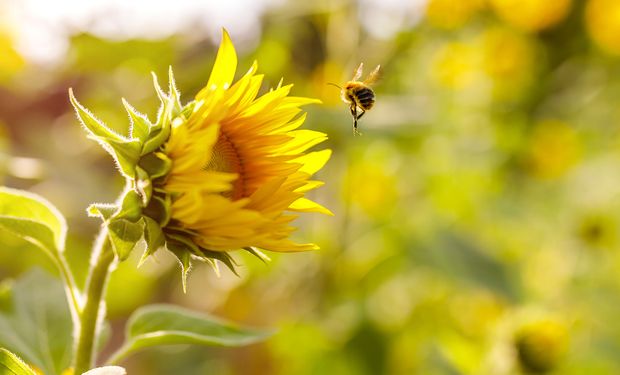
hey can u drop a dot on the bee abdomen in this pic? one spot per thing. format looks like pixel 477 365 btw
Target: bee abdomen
pixel 365 98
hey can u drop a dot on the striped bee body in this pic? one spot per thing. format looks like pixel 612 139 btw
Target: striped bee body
pixel 363 96
pixel 359 95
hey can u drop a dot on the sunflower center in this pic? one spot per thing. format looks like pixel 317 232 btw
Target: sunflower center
pixel 226 158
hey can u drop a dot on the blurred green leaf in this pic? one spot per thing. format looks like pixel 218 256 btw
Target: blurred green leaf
pixel 37 326
pixel 460 258
pixel 10 364
pixel 168 325
pixel 32 218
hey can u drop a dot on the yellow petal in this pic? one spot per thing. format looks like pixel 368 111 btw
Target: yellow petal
pixel 313 161
pixel 224 68
pixel 306 205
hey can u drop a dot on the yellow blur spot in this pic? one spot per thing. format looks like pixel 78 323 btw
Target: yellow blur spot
pixel 455 65
pixel 603 24
pixel 532 15
pixel 373 188
pixel 452 14
pixel 11 62
pixel 554 148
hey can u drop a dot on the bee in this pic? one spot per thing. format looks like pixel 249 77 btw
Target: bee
pixel 358 94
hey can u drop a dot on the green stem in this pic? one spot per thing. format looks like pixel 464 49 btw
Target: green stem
pixel 92 315
pixel 70 287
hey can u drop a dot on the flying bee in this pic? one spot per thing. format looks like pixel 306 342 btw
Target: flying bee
pixel 358 94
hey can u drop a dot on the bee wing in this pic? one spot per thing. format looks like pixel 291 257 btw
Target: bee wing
pixel 358 72
pixel 373 76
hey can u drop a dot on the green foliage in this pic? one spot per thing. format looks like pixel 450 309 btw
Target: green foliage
pixel 157 325
pixel 10 364
pixel 37 323
pixel 33 219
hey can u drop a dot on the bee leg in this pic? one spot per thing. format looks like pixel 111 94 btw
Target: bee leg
pixel 353 109
pixel 357 118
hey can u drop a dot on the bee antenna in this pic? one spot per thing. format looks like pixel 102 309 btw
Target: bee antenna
pixel 333 84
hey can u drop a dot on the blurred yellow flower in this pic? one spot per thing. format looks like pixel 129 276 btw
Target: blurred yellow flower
pixel 553 149
pixel 239 163
pixel 508 60
pixel 451 14
pixel 603 24
pixel 540 345
pixel 456 65
pixel 379 193
pixel 532 15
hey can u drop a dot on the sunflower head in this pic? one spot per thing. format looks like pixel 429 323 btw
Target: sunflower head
pixel 227 171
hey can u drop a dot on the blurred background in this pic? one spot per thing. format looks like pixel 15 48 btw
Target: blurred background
pixel 476 220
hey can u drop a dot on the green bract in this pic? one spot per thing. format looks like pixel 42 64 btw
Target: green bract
pixel 143 210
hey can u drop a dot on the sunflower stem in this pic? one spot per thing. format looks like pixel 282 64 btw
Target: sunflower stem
pixel 93 312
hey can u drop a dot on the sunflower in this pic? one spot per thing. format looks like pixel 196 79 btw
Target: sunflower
pixel 227 171
pixel 239 168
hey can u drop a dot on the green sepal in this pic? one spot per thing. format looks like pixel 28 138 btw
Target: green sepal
pixel 126 154
pixel 257 253
pixel 156 164
pixel 173 94
pixel 184 256
pixel 223 257
pixel 159 209
pixel 154 237
pixel 125 236
pixel 125 151
pixel 160 131
pixel 140 125
pixel 144 185
pixel 103 210
pixel 94 126
pixel 11 364
pixel 131 207
pixel 158 137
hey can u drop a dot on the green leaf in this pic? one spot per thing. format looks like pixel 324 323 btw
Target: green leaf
pixel 37 323
pixel 32 218
pixel 10 364
pixel 157 325
pixel 125 236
